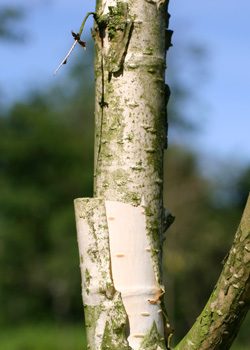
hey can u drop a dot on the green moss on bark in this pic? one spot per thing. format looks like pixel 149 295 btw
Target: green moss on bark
pixel 114 336
pixel 153 340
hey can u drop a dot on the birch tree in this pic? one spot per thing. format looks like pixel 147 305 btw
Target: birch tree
pixel 120 230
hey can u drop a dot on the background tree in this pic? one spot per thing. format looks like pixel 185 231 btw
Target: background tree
pixel 10 15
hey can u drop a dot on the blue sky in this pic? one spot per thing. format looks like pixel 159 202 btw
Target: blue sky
pixel 222 27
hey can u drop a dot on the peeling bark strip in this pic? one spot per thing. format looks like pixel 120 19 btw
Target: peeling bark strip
pixel 120 296
pixel 133 275
pixel 105 316
pixel 220 321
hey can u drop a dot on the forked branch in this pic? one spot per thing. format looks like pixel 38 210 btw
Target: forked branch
pixel 220 321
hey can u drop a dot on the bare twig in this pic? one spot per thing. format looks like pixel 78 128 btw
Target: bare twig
pixel 77 40
pixel 65 59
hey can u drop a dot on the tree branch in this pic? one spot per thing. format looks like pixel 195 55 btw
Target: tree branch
pixel 220 321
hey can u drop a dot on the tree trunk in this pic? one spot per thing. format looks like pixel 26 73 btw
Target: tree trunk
pixel 120 230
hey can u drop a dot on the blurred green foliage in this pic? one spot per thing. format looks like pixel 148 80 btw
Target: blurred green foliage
pixel 46 160
pixel 9 16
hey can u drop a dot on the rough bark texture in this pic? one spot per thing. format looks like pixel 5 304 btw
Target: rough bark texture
pixel 130 40
pixel 131 129
pixel 220 321
pixel 130 108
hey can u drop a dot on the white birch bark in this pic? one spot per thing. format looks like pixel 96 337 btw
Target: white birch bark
pixel 120 230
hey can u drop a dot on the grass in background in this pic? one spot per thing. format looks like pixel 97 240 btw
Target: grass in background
pixel 43 337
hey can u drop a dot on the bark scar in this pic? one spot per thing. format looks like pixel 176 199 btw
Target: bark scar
pixel 120 27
